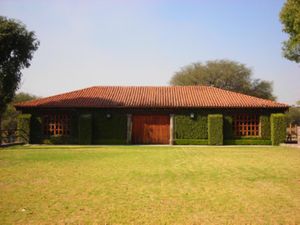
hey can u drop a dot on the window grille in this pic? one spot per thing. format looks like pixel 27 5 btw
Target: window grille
pixel 56 124
pixel 246 125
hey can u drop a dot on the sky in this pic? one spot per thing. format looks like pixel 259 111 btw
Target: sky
pixel 144 42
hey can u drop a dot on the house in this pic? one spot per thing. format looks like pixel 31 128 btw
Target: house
pixel 153 115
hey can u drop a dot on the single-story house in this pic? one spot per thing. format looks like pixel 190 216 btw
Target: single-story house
pixel 152 115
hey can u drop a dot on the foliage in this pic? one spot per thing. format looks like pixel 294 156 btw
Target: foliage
pixel 17 46
pixel 227 127
pixel 290 19
pixel 58 140
pixel 24 127
pixel 36 129
pixel 111 130
pixel 215 129
pixel 293 115
pixel 85 129
pixel 191 128
pixel 9 118
pixel 278 128
pixel 265 127
pixel 225 74
pixel 110 142
pixel 248 141
pixel 149 185
pixel 190 142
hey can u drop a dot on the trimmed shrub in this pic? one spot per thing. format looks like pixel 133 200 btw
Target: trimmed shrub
pixel 190 128
pixel 111 130
pixel 215 129
pixel 85 129
pixel 247 142
pixel 227 129
pixel 109 142
pixel 190 142
pixel 265 127
pixel 24 127
pixel 278 128
pixel 58 140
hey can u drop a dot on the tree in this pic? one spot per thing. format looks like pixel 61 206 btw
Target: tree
pixel 290 19
pixel 17 46
pixel 293 115
pixel 9 117
pixel 225 74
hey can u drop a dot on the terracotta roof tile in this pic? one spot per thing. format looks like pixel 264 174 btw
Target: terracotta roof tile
pixel 151 97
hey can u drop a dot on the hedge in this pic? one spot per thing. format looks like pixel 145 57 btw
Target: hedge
pixel 215 129
pixel 85 129
pixel 110 142
pixel 58 140
pixel 191 128
pixel 112 130
pixel 190 142
pixel 278 128
pixel 265 127
pixel 24 127
pixel 247 142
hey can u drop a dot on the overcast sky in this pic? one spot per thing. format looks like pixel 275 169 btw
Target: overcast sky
pixel 144 42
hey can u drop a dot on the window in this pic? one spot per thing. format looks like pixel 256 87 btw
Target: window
pixel 56 124
pixel 246 125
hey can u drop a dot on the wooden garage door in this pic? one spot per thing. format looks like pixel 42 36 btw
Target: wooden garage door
pixel 150 129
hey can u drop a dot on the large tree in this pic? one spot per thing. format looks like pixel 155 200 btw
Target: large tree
pixel 225 74
pixel 17 46
pixel 290 19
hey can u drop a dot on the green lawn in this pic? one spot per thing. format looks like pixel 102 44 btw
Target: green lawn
pixel 149 185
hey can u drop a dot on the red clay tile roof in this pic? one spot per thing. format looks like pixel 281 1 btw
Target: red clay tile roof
pixel 151 97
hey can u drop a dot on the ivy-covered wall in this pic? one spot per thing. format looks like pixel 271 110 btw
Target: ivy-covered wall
pixel 190 130
pixel 85 129
pixel 37 136
pixel 24 121
pixel 278 128
pixel 215 129
pixel 227 127
pixel 109 128
pixel 265 127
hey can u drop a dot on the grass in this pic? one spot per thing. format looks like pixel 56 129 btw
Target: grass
pixel 149 185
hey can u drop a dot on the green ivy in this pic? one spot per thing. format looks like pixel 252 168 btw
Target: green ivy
pixel 278 128
pixel 85 129
pixel 36 129
pixel 191 128
pixel 265 127
pixel 24 127
pixel 247 142
pixel 215 129
pixel 228 129
pixel 58 140
pixel 190 142
pixel 112 130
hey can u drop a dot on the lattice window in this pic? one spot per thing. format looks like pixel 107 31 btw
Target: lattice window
pixel 56 124
pixel 246 125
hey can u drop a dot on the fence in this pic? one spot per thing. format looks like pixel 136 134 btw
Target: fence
pixel 13 136
pixel 292 134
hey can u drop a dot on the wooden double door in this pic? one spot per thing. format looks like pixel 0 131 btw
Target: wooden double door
pixel 150 129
